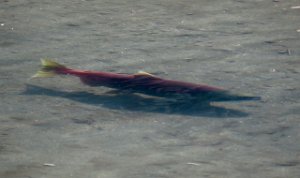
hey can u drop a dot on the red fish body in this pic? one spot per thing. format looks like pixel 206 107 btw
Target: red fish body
pixel 143 83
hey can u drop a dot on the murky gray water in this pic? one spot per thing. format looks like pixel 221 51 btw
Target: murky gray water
pixel 57 127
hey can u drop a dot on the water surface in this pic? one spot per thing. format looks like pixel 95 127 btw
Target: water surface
pixel 244 46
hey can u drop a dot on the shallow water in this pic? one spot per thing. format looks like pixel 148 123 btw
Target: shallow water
pixel 58 127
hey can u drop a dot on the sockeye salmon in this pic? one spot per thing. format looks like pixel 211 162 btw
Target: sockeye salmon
pixel 143 83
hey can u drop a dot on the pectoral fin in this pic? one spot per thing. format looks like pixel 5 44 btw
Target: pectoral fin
pixel 118 92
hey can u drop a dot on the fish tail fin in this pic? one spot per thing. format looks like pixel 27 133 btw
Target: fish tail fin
pixel 49 68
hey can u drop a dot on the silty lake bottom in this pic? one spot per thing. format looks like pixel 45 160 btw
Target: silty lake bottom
pixel 58 127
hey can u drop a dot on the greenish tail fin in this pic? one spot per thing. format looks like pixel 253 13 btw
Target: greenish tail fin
pixel 49 68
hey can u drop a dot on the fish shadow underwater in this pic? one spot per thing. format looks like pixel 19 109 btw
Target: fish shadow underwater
pixel 136 102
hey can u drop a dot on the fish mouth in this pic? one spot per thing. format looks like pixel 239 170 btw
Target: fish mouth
pixel 229 96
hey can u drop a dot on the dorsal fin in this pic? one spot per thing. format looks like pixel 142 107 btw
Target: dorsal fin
pixel 143 73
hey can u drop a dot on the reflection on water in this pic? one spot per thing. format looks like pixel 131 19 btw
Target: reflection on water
pixel 134 102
